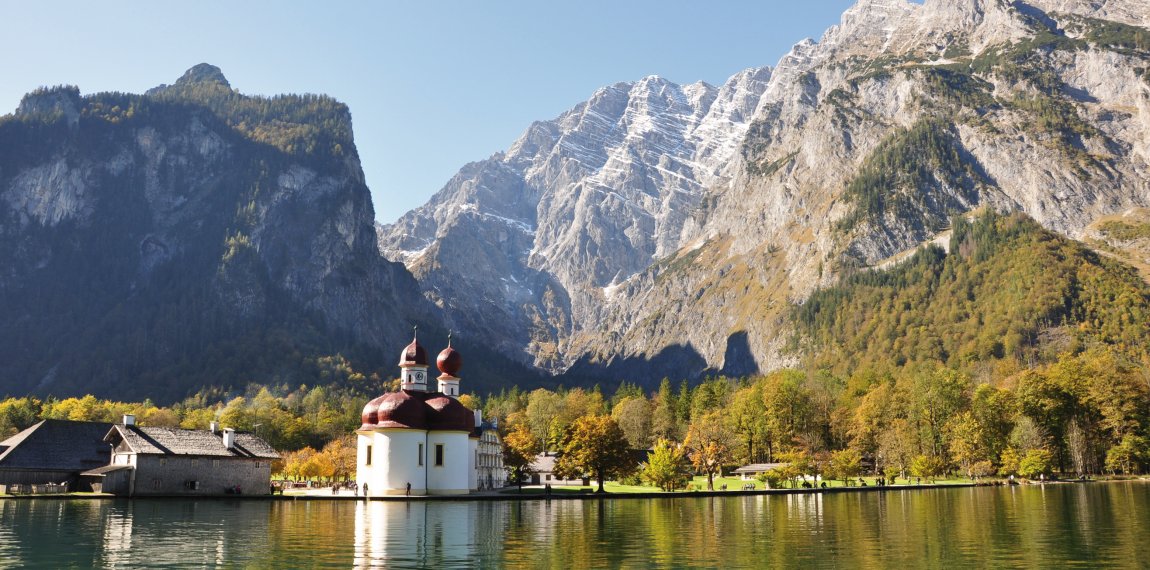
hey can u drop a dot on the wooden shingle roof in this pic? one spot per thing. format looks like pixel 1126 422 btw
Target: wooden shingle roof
pixel 173 441
pixel 57 445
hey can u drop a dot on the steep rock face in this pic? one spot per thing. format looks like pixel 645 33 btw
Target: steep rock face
pixel 860 158
pixel 151 245
pixel 862 146
pixel 520 247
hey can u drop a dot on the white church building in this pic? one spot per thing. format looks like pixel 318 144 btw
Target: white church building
pixel 420 441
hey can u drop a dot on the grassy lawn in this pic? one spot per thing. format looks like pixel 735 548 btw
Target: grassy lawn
pixel 614 487
pixel 699 483
pixel 736 484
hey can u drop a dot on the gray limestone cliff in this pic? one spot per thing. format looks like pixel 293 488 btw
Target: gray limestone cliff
pixel 155 244
pixel 662 229
pixel 523 247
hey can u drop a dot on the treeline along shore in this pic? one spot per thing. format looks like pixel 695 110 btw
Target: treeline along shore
pixel 1084 413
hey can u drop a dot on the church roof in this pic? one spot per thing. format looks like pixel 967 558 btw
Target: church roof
pixel 413 355
pixel 448 414
pixel 449 361
pixel 402 409
pixel 416 409
pixel 412 409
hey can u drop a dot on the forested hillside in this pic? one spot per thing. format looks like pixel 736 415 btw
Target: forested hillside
pixel 1007 296
pixel 1019 352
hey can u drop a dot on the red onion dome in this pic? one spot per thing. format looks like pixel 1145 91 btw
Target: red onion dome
pixel 449 361
pixel 370 415
pixel 447 414
pixel 401 410
pixel 413 355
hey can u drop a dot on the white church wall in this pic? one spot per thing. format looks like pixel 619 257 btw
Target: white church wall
pixel 365 470
pixel 396 463
pixel 450 477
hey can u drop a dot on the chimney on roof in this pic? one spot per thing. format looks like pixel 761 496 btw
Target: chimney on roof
pixel 129 420
pixel 229 438
pixel 215 427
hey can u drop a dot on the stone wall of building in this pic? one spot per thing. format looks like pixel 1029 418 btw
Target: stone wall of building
pixel 183 475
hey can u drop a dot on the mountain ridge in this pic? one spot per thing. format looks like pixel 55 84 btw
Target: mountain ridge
pixel 1030 106
pixel 156 244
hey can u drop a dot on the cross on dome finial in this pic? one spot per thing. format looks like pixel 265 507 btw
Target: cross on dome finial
pixel 449 339
pixel 414 332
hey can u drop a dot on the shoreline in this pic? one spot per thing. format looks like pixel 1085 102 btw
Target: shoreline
pixel 567 496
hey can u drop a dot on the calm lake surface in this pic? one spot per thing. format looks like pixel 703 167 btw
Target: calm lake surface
pixel 1056 526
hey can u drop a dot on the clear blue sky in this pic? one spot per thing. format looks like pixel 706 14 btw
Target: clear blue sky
pixel 431 85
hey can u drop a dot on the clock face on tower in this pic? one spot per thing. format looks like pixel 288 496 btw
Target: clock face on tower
pixel 418 376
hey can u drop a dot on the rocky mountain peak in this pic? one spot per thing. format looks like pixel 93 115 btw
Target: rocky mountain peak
pixel 48 102
pixel 1132 12
pixel 203 73
pixel 198 77
pixel 176 223
pixel 658 222
pixel 867 21
pixel 578 203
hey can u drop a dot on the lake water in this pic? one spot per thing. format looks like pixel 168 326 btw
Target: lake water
pixel 1055 526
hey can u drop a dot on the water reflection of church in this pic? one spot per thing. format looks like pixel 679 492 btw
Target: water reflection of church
pixel 414 534
pixel 415 441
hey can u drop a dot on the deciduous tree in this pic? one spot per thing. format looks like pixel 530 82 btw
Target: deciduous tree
pixel 519 451
pixel 341 454
pixel 967 441
pixel 543 407
pixel 667 466
pixel 595 447
pixel 747 419
pixel 708 445
pixel 1036 462
pixel 1129 456
pixel 845 464
pixel 634 417
pixel 927 466
pixel 1008 462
